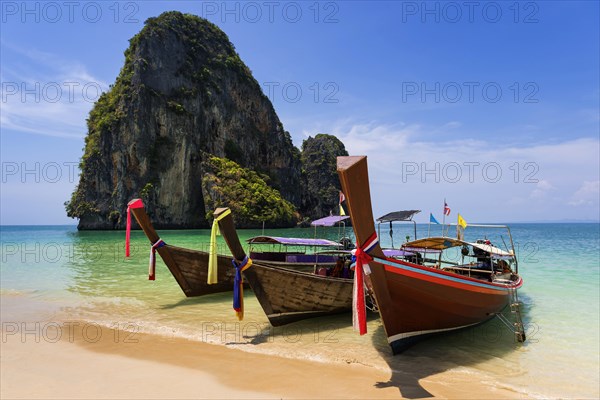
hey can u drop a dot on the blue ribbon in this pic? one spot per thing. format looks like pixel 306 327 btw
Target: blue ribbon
pixel 237 283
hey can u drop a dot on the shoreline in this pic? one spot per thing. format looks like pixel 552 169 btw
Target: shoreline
pixel 72 360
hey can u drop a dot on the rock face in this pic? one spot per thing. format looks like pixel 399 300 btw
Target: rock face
pixel 183 92
pixel 319 174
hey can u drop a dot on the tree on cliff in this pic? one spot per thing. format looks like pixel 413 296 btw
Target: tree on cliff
pixel 246 193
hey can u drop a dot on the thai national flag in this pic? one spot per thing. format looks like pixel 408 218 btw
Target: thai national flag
pixel 446 209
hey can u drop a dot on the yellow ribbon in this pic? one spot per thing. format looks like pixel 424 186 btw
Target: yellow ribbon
pixel 212 257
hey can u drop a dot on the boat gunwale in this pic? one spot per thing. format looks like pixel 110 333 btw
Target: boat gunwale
pixel 518 283
pixel 276 240
pixel 302 273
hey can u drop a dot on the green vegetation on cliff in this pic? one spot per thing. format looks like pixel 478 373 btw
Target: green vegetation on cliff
pixel 246 193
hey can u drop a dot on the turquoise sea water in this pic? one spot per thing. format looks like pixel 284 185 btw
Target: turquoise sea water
pixel 84 276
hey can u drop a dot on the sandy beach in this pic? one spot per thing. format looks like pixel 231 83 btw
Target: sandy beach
pixel 76 359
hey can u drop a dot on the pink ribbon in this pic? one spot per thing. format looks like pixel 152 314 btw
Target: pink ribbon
pixel 135 203
pixel 359 311
pixel 152 266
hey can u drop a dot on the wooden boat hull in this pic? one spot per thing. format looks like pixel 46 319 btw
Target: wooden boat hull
pixel 427 301
pixel 288 295
pixel 193 266
pixel 306 267
pixel 188 267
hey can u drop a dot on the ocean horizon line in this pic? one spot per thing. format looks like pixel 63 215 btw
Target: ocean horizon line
pixel 418 223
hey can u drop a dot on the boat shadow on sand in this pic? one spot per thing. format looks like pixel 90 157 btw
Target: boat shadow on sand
pixel 437 354
pixel 440 353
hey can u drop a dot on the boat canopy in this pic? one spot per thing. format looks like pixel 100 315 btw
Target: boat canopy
pixel 397 253
pixel 390 252
pixel 329 221
pixel 442 243
pixel 422 250
pixel 406 215
pixel 292 241
pixel 492 250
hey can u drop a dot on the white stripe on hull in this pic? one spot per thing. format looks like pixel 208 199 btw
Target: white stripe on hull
pixel 285 314
pixel 406 335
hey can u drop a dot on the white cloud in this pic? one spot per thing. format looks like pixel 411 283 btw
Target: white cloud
pixel 541 189
pixel 46 95
pixel 486 180
pixel 453 124
pixel 587 194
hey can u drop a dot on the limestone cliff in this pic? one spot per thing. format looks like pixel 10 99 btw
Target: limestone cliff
pixel 182 92
pixel 321 184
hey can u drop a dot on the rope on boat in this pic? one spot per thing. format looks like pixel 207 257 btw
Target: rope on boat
pixel 238 286
pixel 359 311
pixel 152 265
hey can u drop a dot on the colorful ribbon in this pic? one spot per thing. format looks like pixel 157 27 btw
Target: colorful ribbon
pixel 152 266
pixel 359 309
pixel 238 286
pixel 212 257
pixel 135 203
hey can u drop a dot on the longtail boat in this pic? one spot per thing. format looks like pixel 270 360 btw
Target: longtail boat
pixel 287 295
pixel 417 300
pixel 189 267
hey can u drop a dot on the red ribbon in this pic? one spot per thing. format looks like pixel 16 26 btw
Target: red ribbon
pixel 135 203
pixel 359 311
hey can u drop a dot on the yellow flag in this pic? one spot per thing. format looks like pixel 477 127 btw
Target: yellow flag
pixel 342 212
pixel 462 222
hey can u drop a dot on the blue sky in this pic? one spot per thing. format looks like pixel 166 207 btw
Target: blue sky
pixel 491 105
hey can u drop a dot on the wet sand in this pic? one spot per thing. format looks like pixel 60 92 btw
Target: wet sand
pixel 47 352
pixel 79 360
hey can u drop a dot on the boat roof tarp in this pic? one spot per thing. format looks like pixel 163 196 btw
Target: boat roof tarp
pixel 397 253
pixel 492 249
pixel 391 252
pixel 292 241
pixel 442 243
pixel 329 221
pixel 398 216
pixel 422 250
